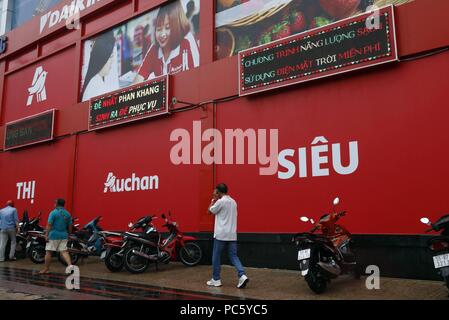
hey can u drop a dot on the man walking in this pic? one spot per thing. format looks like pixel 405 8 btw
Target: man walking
pixel 225 234
pixel 58 228
pixel 9 226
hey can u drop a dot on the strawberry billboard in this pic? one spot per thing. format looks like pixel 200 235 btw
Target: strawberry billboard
pixel 355 43
pixel 243 24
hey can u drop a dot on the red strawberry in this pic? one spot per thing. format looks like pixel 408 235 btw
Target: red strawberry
pixel 283 33
pixel 339 9
pixel 298 23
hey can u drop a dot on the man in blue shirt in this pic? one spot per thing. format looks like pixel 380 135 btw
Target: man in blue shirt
pixel 9 225
pixel 58 228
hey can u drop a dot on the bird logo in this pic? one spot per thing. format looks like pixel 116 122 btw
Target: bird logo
pixel 110 183
pixel 38 86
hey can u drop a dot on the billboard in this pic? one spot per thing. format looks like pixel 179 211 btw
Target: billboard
pixel 162 41
pixel 242 24
pixel 336 48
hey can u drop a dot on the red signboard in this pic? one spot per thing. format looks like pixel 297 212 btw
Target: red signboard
pixel 145 100
pixel 355 43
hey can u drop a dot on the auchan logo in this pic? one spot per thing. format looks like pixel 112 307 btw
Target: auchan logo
pixel 134 183
pixel 38 86
pixel 67 13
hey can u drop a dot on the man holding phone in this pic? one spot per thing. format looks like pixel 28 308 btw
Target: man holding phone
pixel 225 234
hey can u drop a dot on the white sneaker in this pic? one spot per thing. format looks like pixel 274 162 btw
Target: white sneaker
pixel 214 283
pixel 243 281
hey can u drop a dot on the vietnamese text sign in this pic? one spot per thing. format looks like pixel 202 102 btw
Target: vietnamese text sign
pixel 30 130
pixel 336 48
pixel 148 99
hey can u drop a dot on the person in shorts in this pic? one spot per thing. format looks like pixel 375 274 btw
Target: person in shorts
pixel 58 228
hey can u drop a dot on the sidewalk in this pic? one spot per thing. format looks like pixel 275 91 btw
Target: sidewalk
pixel 264 283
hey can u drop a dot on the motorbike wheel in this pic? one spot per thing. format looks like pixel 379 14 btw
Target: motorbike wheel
pixel 37 254
pixel 191 254
pixel 113 262
pixel 134 263
pixel 21 249
pixel 74 257
pixel 447 282
pixel 316 282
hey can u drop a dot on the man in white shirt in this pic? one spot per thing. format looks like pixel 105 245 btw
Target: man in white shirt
pixel 225 233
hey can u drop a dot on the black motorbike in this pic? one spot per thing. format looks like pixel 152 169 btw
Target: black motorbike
pixel 327 255
pixel 116 245
pixel 138 247
pixel 150 247
pixel 36 242
pixel 26 225
pixel 440 245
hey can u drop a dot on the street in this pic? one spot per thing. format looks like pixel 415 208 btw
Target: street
pixel 20 281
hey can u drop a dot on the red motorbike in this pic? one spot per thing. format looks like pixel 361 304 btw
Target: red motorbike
pixel 325 256
pixel 143 249
pixel 114 243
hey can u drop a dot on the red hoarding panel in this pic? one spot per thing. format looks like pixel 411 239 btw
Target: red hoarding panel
pixel 373 139
pixel 125 172
pixel 34 176
pixel 21 59
pixel 47 84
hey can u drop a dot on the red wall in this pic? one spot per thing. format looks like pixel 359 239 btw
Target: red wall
pixel 49 165
pixel 398 115
pixel 144 149
pixel 59 88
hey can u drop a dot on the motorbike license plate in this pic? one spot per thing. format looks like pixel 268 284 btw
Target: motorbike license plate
pixel 103 255
pixel 441 261
pixel 303 254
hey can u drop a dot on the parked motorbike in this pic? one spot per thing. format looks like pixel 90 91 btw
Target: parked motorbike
pixel 26 225
pixel 89 241
pixel 151 248
pixel 36 242
pixel 325 256
pixel 440 246
pixel 113 242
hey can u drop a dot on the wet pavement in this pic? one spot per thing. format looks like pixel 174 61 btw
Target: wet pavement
pixel 19 280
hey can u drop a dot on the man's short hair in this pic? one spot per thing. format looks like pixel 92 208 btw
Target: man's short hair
pixel 60 202
pixel 221 187
pixel 10 203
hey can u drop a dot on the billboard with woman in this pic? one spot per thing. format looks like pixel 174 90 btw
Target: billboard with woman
pixel 162 41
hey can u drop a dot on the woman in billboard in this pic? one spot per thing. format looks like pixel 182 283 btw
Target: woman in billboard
pixel 97 80
pixel 175 48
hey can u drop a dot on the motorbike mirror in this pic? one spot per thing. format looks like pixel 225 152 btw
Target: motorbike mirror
pixel 130 224
pixel 304 219
pixel 425 221
pixel 336 201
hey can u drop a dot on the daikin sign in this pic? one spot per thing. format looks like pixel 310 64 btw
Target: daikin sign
pixel 52 18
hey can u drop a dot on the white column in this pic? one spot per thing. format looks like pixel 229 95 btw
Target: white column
pixel 6 10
